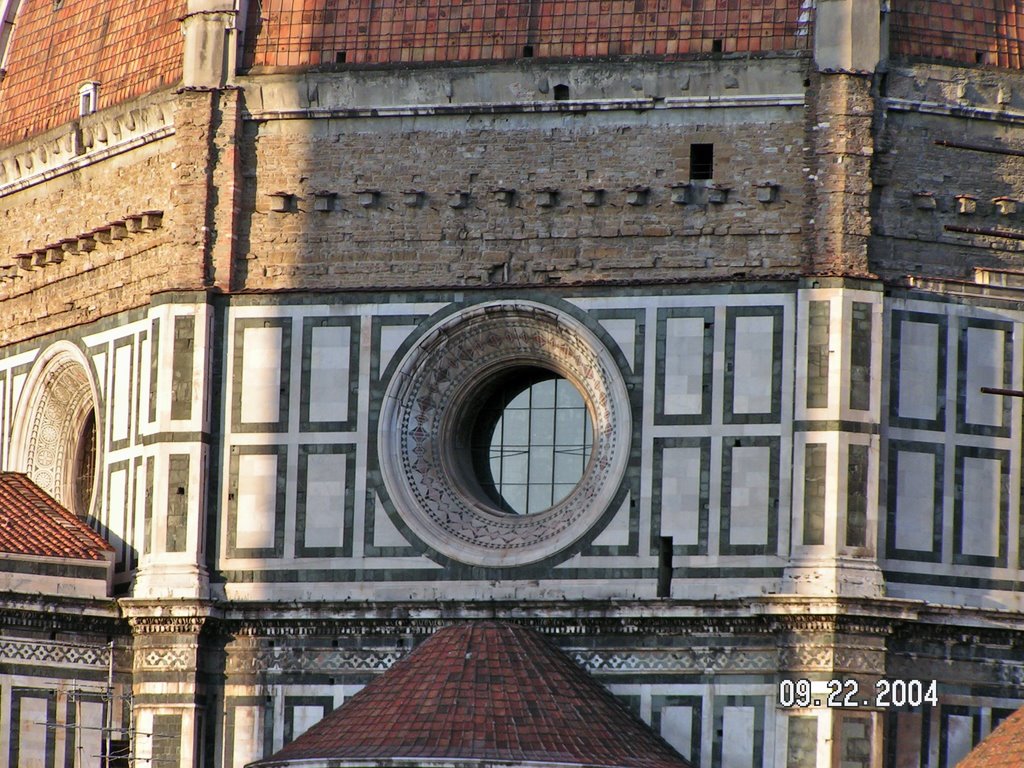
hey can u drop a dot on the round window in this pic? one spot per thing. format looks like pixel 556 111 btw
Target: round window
pixel 532 440
pixel 505 434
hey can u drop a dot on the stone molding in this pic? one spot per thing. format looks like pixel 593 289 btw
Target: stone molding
pixel 84 142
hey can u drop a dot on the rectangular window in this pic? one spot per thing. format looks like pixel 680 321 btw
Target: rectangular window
pixel 702 161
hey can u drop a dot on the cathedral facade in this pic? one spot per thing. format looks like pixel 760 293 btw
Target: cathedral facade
pixel 687 334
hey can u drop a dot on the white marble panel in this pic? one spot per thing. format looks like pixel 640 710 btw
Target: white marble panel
pixel 677 728
pixel 257 499
pixel 617 531
pixel 914 500
pixel 391 338
pixel 247 744
pixel 89 737
pixel 121 395
pixel 325 500
pixel 329 374
pixel 918 370
pixel 623 332
pixel 982 496
pixel 959 738
pixel 304 717
pixel 752 369
pixel 100 361
pixel 261 375
pixel 680 494
pixel 684 365
pixel 117 511
pixel 984 369
pixel 750 495
pixel 385 534
pixel 32 734
pixel 737 737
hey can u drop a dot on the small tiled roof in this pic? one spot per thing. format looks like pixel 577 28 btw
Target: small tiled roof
pixel 1003 748
pixel 485 691
pixel 32 523
pixel 129 48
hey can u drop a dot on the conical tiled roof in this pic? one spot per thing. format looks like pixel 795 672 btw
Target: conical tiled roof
pixel 33 523
pixel 487 692
pixel 1003 748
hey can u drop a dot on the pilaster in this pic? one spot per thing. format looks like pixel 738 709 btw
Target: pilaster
pixel 836 440
pixel 169 697
pixel 172 558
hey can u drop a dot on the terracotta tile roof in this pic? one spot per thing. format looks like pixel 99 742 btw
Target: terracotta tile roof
pixel 32 523
pixel 297 33
pixel 129 48
pixel 1003 748
pixel 484 691
pixel 965 31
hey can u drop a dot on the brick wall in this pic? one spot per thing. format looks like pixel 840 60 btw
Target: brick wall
pixel 114 275
pixel 305 33
pixel 939 175
pixel 391 244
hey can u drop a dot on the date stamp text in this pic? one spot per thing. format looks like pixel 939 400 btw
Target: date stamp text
pixel 800 693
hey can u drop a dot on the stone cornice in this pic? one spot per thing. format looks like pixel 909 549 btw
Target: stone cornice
pixel 83 142
pixel 168 616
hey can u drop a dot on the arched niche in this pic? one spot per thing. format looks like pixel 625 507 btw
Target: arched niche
pixel 56 441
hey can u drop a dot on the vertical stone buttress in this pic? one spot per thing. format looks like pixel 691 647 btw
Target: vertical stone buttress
pixel 849 45
pixel 833 572
pixel 171 603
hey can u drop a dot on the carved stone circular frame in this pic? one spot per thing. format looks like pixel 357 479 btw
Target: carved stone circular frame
pixel 55 403
pixel 423 442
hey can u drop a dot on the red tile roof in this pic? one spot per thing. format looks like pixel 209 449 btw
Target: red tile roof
pixel 129 48
pixel 1003 748
pixel 302 33
pixel 965 31
pixel 484 691
pixel 32 523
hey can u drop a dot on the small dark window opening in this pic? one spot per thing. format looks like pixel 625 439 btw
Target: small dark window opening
pixel 702 161
pixel 117 753
pixel 527 51
pixel 85 466
pixel 979 57
pixel 339 57
pixel 716 46
pixel 665 566
pixel 561 92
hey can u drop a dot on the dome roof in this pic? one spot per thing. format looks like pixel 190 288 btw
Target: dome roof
pixel 1003 748
pixel 484 692
pixel 129 49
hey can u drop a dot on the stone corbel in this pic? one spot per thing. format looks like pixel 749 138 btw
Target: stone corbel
pixel 637 195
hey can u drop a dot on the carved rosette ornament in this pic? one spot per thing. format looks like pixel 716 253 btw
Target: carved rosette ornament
pixel 426 424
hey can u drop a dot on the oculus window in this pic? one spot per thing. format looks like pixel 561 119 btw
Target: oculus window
pixel 532 441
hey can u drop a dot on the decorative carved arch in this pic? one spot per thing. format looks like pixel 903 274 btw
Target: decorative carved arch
pixel 55 409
